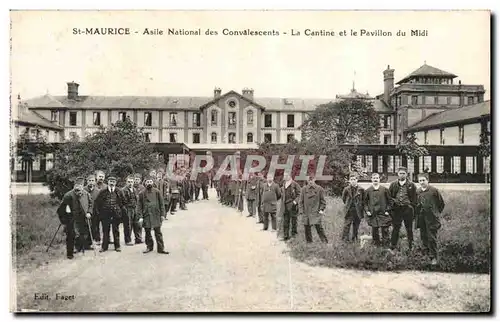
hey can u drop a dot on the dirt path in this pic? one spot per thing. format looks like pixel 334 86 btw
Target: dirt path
pixel 221 261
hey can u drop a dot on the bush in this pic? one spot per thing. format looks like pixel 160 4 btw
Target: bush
pixel 464 240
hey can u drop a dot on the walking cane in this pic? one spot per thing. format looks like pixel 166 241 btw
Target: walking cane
pixel 54 237
pixel 91 237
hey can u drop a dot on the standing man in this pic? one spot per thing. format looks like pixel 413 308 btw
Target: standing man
pixel 100 185
pixel 151 211
pixel 130 205
pixel 352 196
pixel 74 211
pixel 205 179
pixel 430 205
pixel 110 207
pixel 404 195
pixel 175 194
pixel 378 204
pixel 270 195
pixel 93 191
pixel 137 183
pixel 260 187
pixel 289 206
pixel 197 187
pixel 312 206
pixel 240 183
pixel 100 180
pixel 252 194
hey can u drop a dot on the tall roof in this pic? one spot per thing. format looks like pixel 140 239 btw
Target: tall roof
pixel 427 70
pixel 34 119
pixel 461 114
pixel 354 94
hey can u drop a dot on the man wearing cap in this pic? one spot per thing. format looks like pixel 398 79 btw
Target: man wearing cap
pixel 93 191
pixel 204 182
pixel 151 211
pixel 353 197
pixel 430 205
pixel 175 193
pixel 312 206
pixel 251 194
pixel 74 211
pixel 271 193
pixel 404 196
pixel 110 206
pixel 137 183
pixel 289 206
pixel 130 205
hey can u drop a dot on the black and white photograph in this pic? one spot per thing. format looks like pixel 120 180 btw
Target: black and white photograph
pixel 250 161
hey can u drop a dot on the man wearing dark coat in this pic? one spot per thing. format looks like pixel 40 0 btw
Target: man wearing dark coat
pixel 151 211
pixel 378 204
pixel 100 185
pixel 430 205
pixel 130 219
pixel 110 207
pixel 271 193
pixel 74 211
pixel 404 196
pixel 352 196
pixel 289 206
pixel 93 191
pixel 312 205
pixel 204 181
pixel 260 187
pixel 240 192
pixel 251 194
pixel 137 183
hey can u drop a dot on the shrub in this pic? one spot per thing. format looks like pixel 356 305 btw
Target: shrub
pixel 464 240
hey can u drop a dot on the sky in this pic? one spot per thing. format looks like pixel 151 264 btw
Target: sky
pixel 45 54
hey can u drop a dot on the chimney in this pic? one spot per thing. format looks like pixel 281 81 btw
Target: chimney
pixel 388 84
pixel 248 93
pixel 217 92
pixel 73 90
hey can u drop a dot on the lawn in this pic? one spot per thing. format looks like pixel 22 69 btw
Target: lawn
pixel 464 240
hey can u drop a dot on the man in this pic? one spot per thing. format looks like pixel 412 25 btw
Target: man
pixel 312 206
pixel 110 207
pixel 289 206
pixel 352 196
pixel 260 188
pixel 175 194
pixel 251 194
pixel 100 185
pixel 270 195
pixel 130 220
pixel 404 195
pixel 378 204
pixel 95 221
pixel 151 211
pixel 240 184
pixel 137 183
pixel 74 211
pixel 197 187
pixel 204 181
pixel 430 205
pixel 181 178
pixel 233 192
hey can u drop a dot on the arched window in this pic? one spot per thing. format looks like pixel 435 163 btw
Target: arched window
pixel 249 117
pixel 250 138
pixel 213 117
pixel 214 137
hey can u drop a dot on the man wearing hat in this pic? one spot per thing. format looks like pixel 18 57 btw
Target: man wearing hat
pixel 404 195
pixel 353 197
pixel 151 212
pixel 312 206
pixel 110 207
pixel 430 205
pixel 74 211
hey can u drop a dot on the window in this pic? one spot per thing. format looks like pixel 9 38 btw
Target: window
pixel 196 119
pixel 213 137
pixel 72 135
pixel 147 137
pixel 398 162
pixel 268 120
pixel 290 120
pixel 425 138
pixel 439 164
pixel 196 137
pixel 36 163
pixel 72 118
pixel 97 118
pixel 250 138
pixel 399 100
pixel 399 138
pixel 122 116
pixel 399 120
pixel 369 163
pixel 455 164
pixel 470 100
pixel 436 100
pixel 448 100
pixel 268 137
pixel 232 137
pixel 18 166
pixel 441 136
pixel 232 120
pixel 387 139
pixel 425 163
pixel 173 137
pixel 54 115
pixel 147 119
pixel 173 119
pixel 411 165
pixel 390 164
pixel 461 134
pixel 213 117
pixel 414 100
pixel 249 117
pixel 290 138
pixel 470 165
pixel 387 122
pixel 380 164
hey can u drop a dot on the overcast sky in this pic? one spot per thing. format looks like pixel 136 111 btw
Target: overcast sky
pixel 46 55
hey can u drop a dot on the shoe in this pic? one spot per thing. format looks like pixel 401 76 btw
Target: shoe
pixel 98 242
pixel 89 248
pixel 260 222
pixel 149 250
pixel 264 229
pixel 163 252
pixel 102 250
pixel 249 216
pixel 138 242
pixel 172 213
pixel 70 256
pixel 129 244
pixel 118 250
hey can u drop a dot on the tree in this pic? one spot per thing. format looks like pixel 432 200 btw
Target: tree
pixel 118 150
pixel 411 149
pixel 345 121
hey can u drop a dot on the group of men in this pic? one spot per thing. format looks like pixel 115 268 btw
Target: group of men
pixel 139 205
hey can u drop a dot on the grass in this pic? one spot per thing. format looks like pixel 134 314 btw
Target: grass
pixel 464 240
